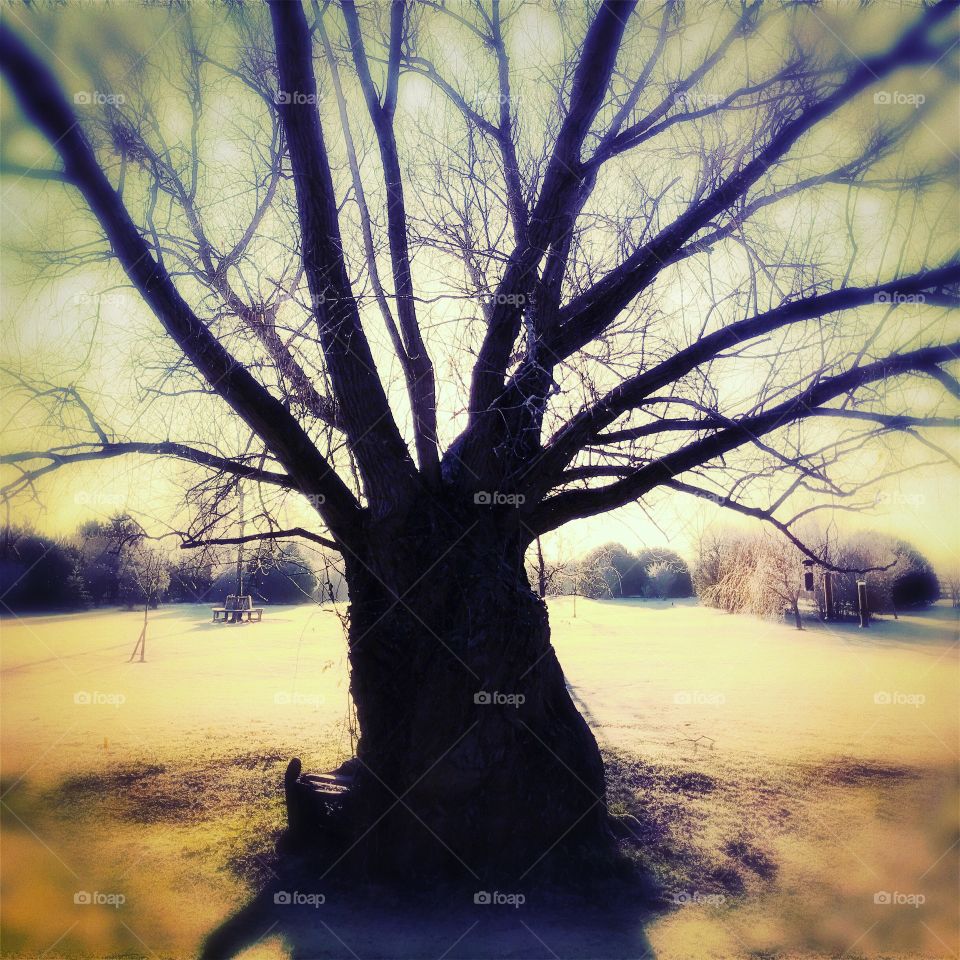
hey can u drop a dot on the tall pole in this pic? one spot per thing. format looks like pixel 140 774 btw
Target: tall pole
pixel 862 607
pixel 828 595
pixel 240 551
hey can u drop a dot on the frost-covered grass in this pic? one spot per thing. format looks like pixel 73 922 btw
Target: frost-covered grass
pixel 771 788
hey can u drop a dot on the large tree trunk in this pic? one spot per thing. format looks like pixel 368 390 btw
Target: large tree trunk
pixel 473 759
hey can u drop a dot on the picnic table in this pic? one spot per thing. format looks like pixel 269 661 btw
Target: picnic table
pixel 236 608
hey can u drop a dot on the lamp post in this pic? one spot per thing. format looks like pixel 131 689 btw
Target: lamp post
pixel 862 608
pixel 808 585
pixel 828 595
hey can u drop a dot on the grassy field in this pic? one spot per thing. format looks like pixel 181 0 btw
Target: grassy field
pixel 794 794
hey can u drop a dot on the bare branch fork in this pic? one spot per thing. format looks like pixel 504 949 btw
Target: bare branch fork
pixel 560 508
pixel 43 101
pixel 767 517
pixel 417 366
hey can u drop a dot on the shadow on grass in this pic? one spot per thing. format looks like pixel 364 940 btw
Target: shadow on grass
pixel 660 868
pixel 369 924
pixel 660 812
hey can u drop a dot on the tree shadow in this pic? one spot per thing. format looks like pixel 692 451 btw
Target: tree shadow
pixel 367 924
pixel 934 626
pixel 653 604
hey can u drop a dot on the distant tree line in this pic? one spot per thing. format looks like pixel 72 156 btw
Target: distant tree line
pixel 111 563
pixel 762 573
pixel 612 571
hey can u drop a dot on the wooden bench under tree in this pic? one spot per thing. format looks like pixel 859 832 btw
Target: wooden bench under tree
pixel 315 801
pixel 236 608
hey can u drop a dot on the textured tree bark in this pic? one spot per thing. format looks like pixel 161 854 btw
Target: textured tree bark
pixel 473 759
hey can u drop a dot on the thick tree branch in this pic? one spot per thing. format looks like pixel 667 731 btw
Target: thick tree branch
pixel 382 457
pixel 767 517
pixel 616 141
pixel 564 174
pixel 270 535
pixel 570 505
pixel 43 102
pixel 584 428
pixel 416 361
pixel 888 421
pixel 62 456
pixel 360 196
pixel 80 453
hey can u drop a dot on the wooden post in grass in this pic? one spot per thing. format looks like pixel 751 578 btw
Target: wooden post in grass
pixel 862 607
pixel 142 639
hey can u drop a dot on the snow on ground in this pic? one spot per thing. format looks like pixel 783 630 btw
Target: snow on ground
pixel 68 686
pixel 657 673
pixel 815 769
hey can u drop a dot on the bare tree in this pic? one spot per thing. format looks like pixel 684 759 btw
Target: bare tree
pixel 662 574
pixel 725 575
pixel 751 573
pixel 547 573
pixel 779 580
pixel 951 581
pixel 595 575
pixel 650 244
pixel 148 570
